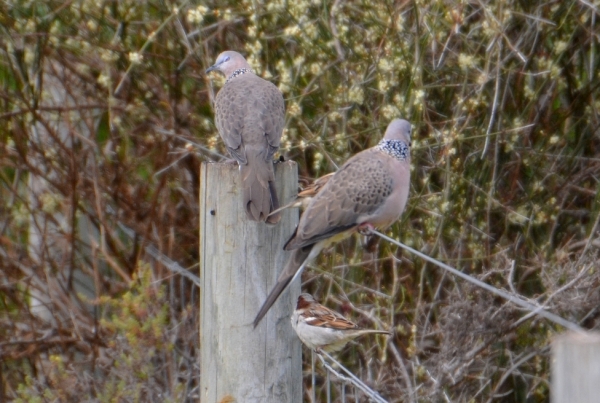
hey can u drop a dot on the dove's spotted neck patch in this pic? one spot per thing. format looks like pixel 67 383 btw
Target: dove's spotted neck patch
pixel 239 72
pixel 396 148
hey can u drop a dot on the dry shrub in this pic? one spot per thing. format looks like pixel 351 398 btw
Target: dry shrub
pixel 136 356
pixel 105 115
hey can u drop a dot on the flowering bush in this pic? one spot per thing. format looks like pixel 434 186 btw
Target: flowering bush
pixel 106 113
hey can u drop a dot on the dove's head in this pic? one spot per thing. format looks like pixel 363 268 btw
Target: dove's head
pixel 228 62
pixel 398 129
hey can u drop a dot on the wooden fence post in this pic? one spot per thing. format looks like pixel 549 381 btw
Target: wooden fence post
pixel 239 262
pixel 576 368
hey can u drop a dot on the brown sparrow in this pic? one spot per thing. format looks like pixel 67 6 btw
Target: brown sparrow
pixel 322 329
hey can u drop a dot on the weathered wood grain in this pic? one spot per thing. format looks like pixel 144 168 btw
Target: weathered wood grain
pixel 239 263
pixel 576 368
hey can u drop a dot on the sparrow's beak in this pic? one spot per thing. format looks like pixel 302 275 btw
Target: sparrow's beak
pixel 211 68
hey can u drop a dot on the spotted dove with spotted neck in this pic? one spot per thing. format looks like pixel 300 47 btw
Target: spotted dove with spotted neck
pixel 369 191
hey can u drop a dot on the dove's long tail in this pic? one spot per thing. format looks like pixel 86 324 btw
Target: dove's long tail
pixel 292 269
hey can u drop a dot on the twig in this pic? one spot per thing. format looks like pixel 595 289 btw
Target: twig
pixel 590 240
pixel 511 275
pixel 197 145
pixel 510 370
pixel 494 103
pixel 145 45
pixel 498 23
pixel 583 271
pixel 165 260
pixel 351 377
pixel 536 310
pixel 172 164
pixel 337 278
pixel 334 31
pixel 403 372
pixel 319 145
pixel 313 379
pixel 590 5
pixel 328 387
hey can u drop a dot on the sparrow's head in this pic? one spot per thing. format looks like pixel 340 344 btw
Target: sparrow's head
pixel 398 129
pixel 228 62
pixel 304 301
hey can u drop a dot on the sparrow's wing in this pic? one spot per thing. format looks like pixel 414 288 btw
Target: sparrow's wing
pixel 314 188
pixel 325 317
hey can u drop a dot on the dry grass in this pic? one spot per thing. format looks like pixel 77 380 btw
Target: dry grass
pixel 101 103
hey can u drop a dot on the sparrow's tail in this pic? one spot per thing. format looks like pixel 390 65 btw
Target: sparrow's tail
pixel 305 196
pixel 292 269
pixel 370 331
pixel 295 203
pixel 258 180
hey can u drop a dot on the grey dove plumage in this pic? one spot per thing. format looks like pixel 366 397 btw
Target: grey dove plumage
pixel 369 191
pixel 250 115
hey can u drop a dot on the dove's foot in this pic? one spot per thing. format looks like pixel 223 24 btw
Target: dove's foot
pixel 365 229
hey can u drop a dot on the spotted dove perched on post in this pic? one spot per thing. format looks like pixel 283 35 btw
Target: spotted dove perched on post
pixel 250 115
pixel 369 191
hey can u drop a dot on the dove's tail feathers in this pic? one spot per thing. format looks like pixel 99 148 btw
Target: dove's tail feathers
pixel 292 269
pixel 274 215
pixel 258 180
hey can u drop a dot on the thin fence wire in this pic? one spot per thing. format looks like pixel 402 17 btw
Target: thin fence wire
pixel 517 300
pixel 348 378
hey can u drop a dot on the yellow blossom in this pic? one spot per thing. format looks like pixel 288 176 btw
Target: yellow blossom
pixel 466 61
pixel 135 57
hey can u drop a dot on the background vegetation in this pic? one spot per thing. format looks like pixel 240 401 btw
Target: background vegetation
pixel 106 113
